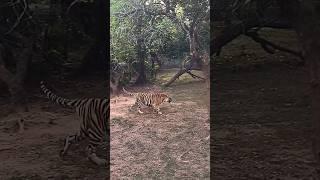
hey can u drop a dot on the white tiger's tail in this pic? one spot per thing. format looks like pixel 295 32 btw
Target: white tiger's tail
pixel 55 98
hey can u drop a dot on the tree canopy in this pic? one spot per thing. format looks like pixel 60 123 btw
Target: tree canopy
pixel 142 28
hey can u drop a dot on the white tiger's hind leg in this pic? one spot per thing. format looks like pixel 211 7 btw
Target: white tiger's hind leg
pixel 69 140
pixel 91 150
pixel 94 141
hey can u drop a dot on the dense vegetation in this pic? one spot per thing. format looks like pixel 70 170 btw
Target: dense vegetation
pixel 149 34
pixel 49 39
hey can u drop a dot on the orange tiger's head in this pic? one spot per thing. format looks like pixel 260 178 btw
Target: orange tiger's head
pixel 166 98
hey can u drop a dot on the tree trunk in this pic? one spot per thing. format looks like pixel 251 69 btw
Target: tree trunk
pixel 195 56
pixel 95 58
pixel 153 70
pixel 114 82
pixel 154 59
pixel 15 80
pixel 142 79
pixel 176 76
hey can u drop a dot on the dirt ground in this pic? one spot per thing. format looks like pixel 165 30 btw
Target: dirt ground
pixel 261 115
pixel 172 145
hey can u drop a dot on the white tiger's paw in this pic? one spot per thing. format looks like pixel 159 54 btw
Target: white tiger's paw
pixel 140 112
pixel 61 154
pixel 98 161
pixel 159 112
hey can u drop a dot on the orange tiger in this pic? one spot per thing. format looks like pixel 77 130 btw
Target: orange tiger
pixel 153 100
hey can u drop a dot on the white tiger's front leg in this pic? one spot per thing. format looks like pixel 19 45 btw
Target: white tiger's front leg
pixel 69 140
pixel 98 161
pixel 94 158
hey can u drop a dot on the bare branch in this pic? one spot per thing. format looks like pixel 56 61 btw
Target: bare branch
pixel 19 18
pixel 121 14
pixel 265 44
pixel 195 76
pixel 234 30
pixel 230 33
pixel 71 4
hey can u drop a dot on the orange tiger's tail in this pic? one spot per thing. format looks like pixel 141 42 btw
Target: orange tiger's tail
pixel 131 94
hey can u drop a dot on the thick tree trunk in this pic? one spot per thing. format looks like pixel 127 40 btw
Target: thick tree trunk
pixel 95 58
pixel 154 59
pixel 153 70
pixel 15 80
pixel 141 54
pixel 142 79
pixel 114 83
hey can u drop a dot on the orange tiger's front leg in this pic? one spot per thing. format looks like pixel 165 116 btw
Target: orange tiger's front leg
pixel 139 104
pixel 157 108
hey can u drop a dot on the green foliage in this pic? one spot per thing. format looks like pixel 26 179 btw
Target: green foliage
pixel 161 33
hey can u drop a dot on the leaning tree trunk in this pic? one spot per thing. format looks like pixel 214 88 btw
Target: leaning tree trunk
pixel 195 63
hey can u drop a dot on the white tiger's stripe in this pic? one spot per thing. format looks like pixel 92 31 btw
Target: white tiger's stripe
pixel 94 115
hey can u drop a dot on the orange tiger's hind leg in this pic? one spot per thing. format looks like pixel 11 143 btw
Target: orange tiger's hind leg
pixel 139 111
pixel 157 108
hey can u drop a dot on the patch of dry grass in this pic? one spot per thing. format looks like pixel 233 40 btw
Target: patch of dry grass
pixel 172 145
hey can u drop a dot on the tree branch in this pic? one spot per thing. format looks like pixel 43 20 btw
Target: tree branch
pixel 195 76
pixel 230 33
pixel 265 44
pixel 18 18
pixel 71 4
pixel 234 30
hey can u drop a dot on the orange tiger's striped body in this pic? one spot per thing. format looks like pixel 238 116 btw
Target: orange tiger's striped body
pixel 153 100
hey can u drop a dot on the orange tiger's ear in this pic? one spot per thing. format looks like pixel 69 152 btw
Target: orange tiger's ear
pixel 164 95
